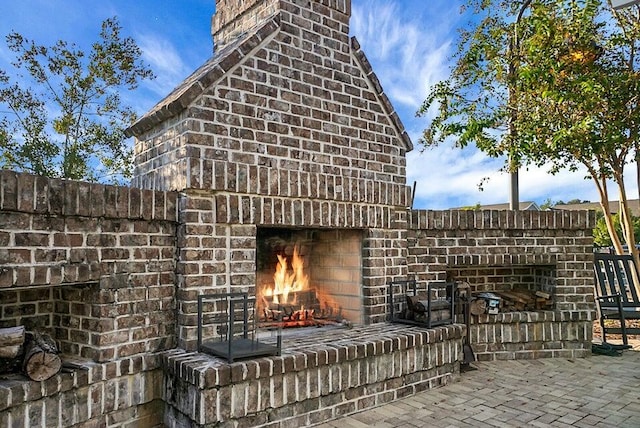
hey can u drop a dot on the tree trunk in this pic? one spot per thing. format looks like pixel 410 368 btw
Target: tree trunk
pixel 626 220
pixel 41 360
pixel 606 210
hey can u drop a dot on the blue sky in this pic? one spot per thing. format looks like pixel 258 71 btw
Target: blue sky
pixel 408 42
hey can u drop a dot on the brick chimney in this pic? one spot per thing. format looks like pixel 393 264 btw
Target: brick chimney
pixel 235 17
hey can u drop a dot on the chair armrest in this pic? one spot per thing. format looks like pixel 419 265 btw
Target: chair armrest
pixel 616 296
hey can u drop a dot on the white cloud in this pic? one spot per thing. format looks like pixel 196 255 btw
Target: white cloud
pixel 409 44
pixel 165 61
pixel 448 178
pixel 406 58
pixel 445 178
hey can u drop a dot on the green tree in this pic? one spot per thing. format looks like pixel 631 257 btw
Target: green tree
pixel 564 95
pixel 601 237
pixel 62 114
pixel 578 105
pixel 547 204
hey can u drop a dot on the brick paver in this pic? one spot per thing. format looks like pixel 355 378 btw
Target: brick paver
pixel 599 391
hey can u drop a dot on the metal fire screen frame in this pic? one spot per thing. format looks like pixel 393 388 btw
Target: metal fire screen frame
pixel 400 290
pixel 233 340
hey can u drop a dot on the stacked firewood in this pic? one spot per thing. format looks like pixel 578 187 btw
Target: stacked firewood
pixel 32 353
pixel 419 308
pixel 512 301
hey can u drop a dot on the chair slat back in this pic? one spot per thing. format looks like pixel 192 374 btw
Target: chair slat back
pixel 614 275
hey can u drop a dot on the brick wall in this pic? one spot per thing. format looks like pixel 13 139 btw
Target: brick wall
pixel 235 17
pixel 295 125
pixel 217 246
pixel 123 393
pixel 497 250
pixel 506 278
pixel 443 241
pixel 91 264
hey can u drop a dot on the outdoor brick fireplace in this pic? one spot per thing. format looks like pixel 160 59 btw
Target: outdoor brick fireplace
pixel 286 127
pixel 282 144
pixel 285 144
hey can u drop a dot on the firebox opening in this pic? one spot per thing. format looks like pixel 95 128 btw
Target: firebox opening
pixel 521 287
pixel 309 277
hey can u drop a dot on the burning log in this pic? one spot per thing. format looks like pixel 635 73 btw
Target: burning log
pixel 289 299
pixel 301 315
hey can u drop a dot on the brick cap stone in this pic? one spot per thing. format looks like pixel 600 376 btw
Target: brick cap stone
pixel 205 76
pixel 323 348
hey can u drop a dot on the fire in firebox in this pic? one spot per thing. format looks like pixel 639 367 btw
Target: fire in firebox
pixel 290 301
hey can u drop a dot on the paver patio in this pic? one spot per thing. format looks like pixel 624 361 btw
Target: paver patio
pixel 599 391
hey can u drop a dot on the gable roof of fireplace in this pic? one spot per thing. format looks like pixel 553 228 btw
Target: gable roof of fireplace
pixel 232 54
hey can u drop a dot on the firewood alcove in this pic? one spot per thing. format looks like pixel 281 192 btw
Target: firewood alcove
pixel 33 354
pixel 508 288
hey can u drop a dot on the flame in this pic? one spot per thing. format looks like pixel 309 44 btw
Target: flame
pixel 287 280
pixel 284 298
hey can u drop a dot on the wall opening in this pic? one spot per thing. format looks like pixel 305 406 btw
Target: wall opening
pixel 312 276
